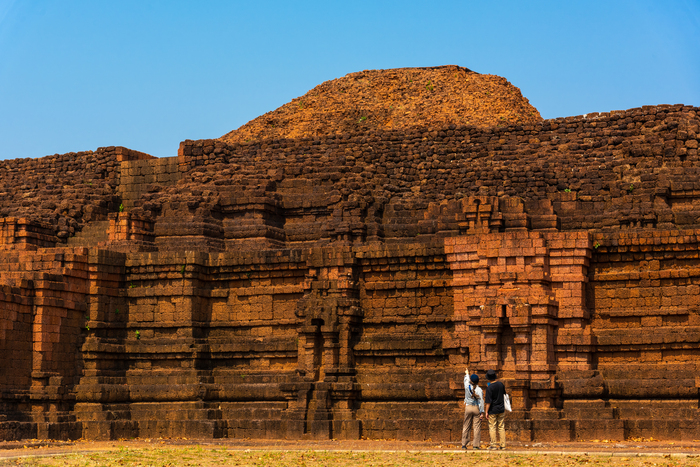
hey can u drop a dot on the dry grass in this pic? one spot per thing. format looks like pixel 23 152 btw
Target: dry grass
pixel 208 457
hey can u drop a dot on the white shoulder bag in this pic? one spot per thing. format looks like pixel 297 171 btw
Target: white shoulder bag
pixel 506 402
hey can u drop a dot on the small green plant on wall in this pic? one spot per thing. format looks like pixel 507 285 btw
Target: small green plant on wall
pixel 567 190
pixel 596 245
pixel 137 334
pixel 121 208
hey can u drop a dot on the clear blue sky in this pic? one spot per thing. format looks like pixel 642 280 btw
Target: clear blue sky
pixel 79 74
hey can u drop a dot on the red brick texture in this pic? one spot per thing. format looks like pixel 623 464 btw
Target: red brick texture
pixel 339 287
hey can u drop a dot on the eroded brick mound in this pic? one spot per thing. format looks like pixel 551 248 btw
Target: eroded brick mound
pixel 394 99
pixel 66 191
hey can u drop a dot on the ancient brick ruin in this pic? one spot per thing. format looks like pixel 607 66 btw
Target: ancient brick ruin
pixel 338 286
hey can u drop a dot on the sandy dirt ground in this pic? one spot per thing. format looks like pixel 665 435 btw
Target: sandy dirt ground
pixel 13 449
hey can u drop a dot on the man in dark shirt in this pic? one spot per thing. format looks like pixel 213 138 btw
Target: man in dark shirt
pixel 495 410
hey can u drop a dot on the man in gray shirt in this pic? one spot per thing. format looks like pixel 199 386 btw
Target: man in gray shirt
pixel 473 410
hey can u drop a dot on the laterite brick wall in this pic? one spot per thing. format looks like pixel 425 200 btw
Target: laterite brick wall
pixel 338 287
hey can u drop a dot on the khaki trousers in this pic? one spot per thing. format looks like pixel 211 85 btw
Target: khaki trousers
pixel 471 419
pixel 497 424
